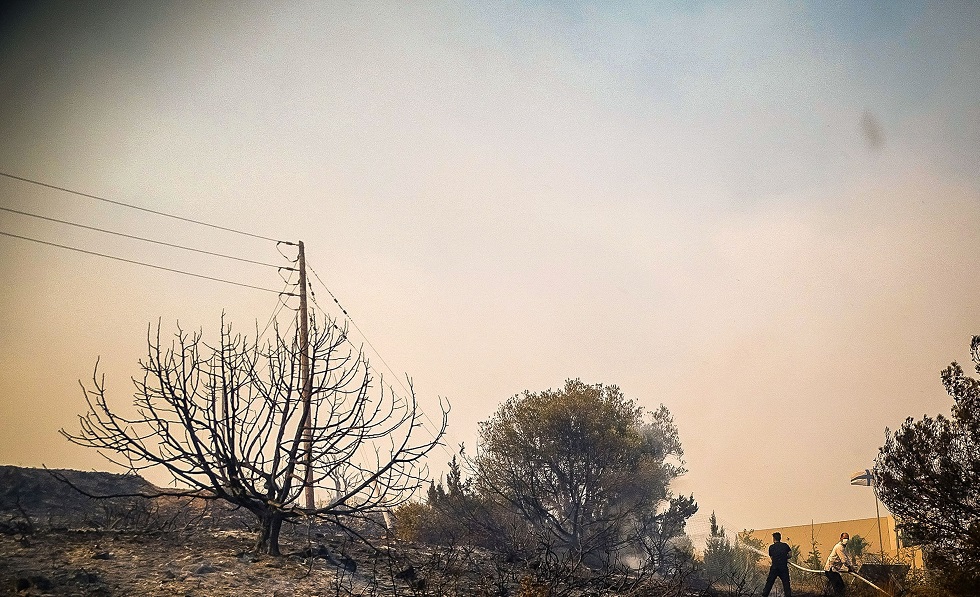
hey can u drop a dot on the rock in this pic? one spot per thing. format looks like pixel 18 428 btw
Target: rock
pixel 248 557
pixel 205 568
pixel 38 582
pixel 408 574
pixel 85 577
pixel 347 563
pixel 318 551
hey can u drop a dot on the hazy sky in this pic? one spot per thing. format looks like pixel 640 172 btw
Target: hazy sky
pixel 765 216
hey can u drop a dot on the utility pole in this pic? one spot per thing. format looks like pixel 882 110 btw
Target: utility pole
pixel 306 380
pixel 881 540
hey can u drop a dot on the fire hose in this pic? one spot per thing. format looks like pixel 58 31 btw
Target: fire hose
pixel 851 572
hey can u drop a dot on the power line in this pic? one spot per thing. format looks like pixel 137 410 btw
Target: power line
pixel 160 267
pixel 275 314
pixel 363 335
pixel 152 211
pixel 353 323
pixel 149 240
pixel 279 307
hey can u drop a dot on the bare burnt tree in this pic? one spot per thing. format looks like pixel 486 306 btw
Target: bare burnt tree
pixel 227 423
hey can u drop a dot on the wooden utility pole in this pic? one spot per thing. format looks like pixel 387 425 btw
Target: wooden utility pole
pixel 306 380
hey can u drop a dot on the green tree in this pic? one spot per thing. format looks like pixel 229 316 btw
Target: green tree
pixel 719 554
pixel 748 554
pixel 732 563
pixel 856 546
pixel 797 576
pixel 795 552
pixel 928 475
pixel 750 547
pixel 452 514
pixel 814 560
pixel 584 469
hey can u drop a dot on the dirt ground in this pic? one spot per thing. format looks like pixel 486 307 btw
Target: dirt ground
pixel 56 541
pixel 213 563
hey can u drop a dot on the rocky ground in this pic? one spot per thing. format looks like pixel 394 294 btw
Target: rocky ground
pixel 213 562
pixel 56 541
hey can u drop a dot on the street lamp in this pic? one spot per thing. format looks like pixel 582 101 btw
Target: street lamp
pixel 866 479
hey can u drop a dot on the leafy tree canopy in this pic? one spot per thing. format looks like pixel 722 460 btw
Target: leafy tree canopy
pixel 928 475
pixel 584 467
pixel 856 546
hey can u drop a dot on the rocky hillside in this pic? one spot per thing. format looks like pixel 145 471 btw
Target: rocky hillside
pixel 46 497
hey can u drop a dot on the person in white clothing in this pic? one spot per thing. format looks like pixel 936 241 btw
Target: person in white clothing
pixel 837 561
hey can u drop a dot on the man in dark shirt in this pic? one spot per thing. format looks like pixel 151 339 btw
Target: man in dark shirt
pixel 779 552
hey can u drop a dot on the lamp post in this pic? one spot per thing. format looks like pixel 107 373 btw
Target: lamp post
pixel 866 479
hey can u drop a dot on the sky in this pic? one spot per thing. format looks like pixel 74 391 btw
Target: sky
pixel 763 215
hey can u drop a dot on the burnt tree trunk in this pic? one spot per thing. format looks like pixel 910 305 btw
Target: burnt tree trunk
pixel 268 541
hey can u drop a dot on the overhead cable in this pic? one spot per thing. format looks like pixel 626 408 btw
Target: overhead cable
pixel 152 211
pixel 160 267
pixel 397 378
pixel 279 307
pixel 149 240
pixel 353 323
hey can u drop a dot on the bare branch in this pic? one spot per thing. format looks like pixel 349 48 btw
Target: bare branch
pixel 228 420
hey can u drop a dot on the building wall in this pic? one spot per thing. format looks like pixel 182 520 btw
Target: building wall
pixel 826 535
